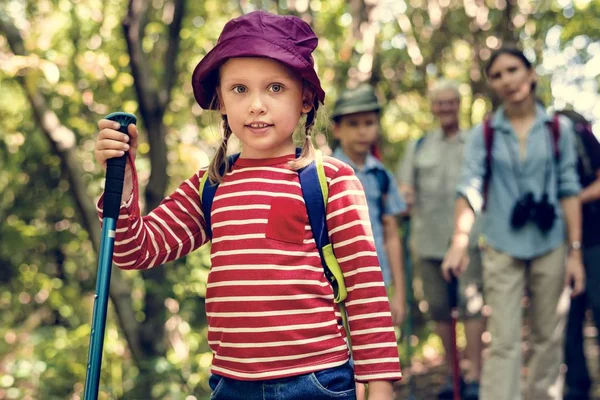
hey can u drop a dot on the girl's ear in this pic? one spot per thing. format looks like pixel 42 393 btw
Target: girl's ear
pixel 308 99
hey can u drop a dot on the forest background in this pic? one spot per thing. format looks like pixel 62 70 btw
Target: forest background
pixel 66 63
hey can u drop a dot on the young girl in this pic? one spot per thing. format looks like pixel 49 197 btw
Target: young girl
pixel 273 326
pixel 532 208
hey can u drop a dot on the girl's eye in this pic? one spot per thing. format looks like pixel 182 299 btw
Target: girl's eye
pixel 276 88
pixel 239 89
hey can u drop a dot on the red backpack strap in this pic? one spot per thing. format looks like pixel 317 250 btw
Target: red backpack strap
pixel 555 129
pixel 488 141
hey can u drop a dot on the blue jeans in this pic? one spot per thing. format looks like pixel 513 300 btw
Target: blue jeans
pixel 333 383
pixel 578 379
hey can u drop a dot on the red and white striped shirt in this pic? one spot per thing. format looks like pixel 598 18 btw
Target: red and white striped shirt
pixel 270 308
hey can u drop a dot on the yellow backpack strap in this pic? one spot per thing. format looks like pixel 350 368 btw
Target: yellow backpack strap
pixel 322 177
pixel 203 182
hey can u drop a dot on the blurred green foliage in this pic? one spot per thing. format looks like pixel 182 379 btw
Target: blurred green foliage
pixel 77 58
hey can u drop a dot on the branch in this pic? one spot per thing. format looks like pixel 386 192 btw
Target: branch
pixel 507 26
pixel 133 27
pixel 62 141
pixel 171 55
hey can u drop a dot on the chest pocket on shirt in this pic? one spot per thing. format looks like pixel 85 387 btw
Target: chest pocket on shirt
pixel 287 219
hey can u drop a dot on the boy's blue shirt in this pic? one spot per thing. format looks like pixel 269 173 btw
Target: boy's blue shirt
pixel 394 203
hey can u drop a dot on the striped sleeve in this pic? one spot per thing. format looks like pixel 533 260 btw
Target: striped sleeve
pixel 374 347
pixel 172 230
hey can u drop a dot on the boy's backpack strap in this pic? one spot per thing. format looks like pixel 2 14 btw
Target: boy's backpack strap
pixel 488 141
pixel 208 189
pixel 315 191
pixel 383 182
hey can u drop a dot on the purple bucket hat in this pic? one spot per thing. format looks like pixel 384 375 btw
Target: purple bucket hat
pixel 286 39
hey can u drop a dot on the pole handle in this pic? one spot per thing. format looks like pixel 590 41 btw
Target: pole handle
pixel 115 169
pixel 453 291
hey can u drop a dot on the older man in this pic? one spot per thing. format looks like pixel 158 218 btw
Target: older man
pixel 428 175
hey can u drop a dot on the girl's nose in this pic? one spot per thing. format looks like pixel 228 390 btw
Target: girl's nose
pixel 257 106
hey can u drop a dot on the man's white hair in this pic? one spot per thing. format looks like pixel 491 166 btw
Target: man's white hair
pixel 443 85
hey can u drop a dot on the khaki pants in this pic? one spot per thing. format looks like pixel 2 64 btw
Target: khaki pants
pixel 505 280
pixel 435 288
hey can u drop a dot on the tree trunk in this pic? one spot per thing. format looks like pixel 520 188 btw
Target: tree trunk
pixel 62 141
pixel 146 339
pixel 153 100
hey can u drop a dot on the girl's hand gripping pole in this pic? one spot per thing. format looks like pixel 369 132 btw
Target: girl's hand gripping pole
pixel 113 189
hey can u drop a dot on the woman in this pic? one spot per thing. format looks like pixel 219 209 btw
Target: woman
pixel 527 186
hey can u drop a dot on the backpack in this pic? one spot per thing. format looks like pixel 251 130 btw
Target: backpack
pixel 488 140
pixel 585 140
pixel 582 150
pixel 315 191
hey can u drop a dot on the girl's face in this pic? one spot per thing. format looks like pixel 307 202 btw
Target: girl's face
pixel 263 101
pixel 511 79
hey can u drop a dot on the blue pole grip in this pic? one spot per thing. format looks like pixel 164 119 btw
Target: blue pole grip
pixel 115 173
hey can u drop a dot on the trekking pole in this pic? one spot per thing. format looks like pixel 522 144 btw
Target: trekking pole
pixel 113 189
pixel 408 325
pixel 453 300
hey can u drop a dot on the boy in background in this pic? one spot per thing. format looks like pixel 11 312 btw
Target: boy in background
pixel 356 128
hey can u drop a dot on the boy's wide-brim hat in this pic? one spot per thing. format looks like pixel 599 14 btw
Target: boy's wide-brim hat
pixel 287 39
pixel 360 99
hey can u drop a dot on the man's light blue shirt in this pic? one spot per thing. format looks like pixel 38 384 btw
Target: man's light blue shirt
pixel 394 203
pixel 510 181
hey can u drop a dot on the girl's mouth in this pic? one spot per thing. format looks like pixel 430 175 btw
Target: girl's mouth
pixel 258 125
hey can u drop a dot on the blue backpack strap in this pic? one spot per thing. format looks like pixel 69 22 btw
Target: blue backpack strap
pixel 313 197
pixel 383 182
pixel 208 190
pixel 313 183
